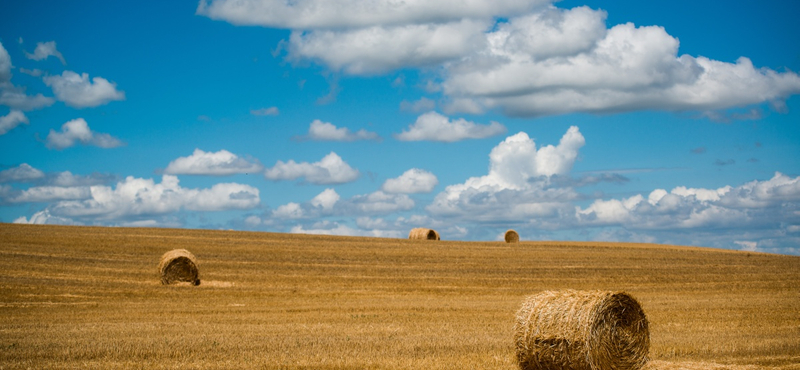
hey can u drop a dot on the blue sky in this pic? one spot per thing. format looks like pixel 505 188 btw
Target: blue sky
pixel 668 122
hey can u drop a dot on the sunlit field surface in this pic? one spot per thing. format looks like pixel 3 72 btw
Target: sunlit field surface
pixel 85 297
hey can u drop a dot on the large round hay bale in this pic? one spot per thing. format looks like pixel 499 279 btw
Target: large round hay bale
pixel 421 233
pixel 178 265
pixel 581 330
pixel 512 236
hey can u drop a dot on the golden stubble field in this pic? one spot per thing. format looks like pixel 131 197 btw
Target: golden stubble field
pixel 90 298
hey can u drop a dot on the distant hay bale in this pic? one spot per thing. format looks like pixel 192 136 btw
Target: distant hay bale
pixel 581 330
pixel 512 236
pixel 178 265
pixel 421 233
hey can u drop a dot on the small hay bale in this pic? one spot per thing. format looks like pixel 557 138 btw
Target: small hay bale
pixel 581 330
pixel 178 265
pixel 421 233
pixel 512 236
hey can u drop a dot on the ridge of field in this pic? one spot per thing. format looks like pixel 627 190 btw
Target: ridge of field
pixel 90 297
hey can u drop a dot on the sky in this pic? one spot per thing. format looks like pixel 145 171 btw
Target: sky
pixel 674 122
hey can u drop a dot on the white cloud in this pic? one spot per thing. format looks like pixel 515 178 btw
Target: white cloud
pixel 433 126
pixel 412 181
pixel 329 203
pixel 376 203
pixel 271 111
pixel 379 49
pixel 67 179
pixel 575 65
pixel 5 65
pixel 310 14
pixel 143 197
pixel 418 106
pixel 44 50
pixel 517 186
pixel 523 58
pixel 50 193
pixel 325 131
pixel 751 205
pixel 77 131
pixel 21 173
pixel 77 91
pixel 334 228
pixel 326 199
pixel 221 163
pixel 45 218
pixel 12 120
pixel 15 98
pixel 290 210
pixel 331 169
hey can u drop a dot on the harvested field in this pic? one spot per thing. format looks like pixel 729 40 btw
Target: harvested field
pixel 90 298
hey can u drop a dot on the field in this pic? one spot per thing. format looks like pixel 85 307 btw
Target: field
pixel 90 298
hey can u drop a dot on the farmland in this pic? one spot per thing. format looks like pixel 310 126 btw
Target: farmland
pixel 87 297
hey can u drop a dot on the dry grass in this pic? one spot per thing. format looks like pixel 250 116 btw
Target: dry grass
pixel 88 298
pixel 581 330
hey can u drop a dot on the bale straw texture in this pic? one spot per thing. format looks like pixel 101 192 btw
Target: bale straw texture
pixel 581 330
pixel 178 265
pixel 512 236
pixel 421 233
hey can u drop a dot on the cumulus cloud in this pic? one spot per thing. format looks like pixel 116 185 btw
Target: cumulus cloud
pixel 45 218
pixel 329 203
pixel 517 185
pixel 15 97
pixel 5 65
pixel 21 173
pixel 25 173
pixel 412 181
pixel 221 163
pixel 12 96
pixel 433 126
pixel 77 91
pixel 134 197
pixel 44 50
pixel 418 106
pixel 326 199
pixel 335 228
pixel 523 58
pixel 77 131
pixel 12 120
pixel 379 49
pixel 39 194
pixel 573 64
pixel 325 131
pixel 753 204
pixel 312 14
pixel 271 111
pixel 331 169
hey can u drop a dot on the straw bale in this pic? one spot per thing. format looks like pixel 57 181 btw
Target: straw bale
pixel 421 233
pixel 178 265
pixel 581 330
pixel 512 236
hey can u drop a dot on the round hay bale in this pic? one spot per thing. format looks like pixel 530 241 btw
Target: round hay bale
pixel 512 236
pixel 581 330
pixel 178 265
pixel 421 233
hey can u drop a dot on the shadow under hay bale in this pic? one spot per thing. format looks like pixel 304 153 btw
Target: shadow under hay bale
pixel 581 330
pixel 512 236
pixel 178 266
pixel 421 233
